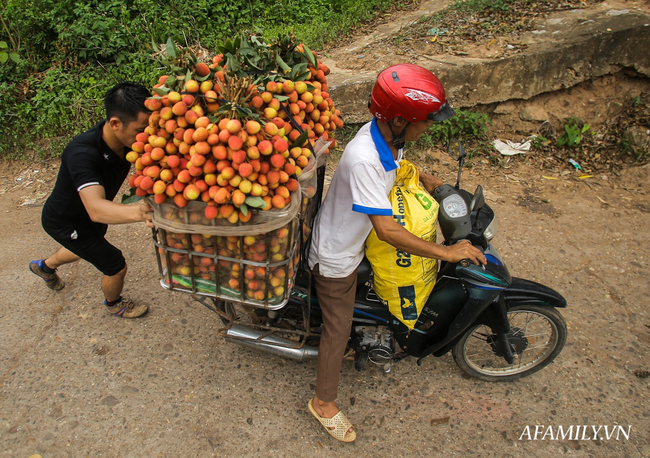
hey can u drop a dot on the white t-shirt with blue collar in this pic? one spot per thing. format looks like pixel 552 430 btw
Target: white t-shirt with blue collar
pixel 363 179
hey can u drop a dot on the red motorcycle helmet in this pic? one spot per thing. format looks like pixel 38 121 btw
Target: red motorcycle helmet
pixel 409 91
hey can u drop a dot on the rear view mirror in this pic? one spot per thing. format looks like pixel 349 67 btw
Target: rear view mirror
pixel 455 149
pixel 457 152
pixel 478 201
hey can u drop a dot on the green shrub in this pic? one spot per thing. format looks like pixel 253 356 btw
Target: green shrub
pixel 62 55
pixel 317 22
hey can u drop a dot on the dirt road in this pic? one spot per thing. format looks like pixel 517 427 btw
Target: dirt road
pixel 76 382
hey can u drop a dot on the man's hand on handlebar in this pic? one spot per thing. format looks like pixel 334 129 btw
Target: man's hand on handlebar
pixel 429 182
pixel 465 250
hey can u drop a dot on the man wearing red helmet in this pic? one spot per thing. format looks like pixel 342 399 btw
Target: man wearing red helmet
pixel 405 101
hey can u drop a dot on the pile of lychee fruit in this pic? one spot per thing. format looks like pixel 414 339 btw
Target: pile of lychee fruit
pixel 234 143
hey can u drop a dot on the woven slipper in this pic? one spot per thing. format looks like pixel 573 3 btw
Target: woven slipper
pixel 339 422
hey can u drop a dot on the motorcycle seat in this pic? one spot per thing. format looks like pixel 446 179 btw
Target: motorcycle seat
pixel 364 272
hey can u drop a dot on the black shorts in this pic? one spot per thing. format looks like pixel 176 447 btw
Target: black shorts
pixel 89 244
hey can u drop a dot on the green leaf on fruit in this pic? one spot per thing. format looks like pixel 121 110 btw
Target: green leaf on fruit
pixel 162 90
pixel 130 197
pixel 310 87
pixel 233 65
pixel 282 64
pixel 300 141
pixel 298 70
pixel 303 77
pixel 253 66
pixel 255 202
pixel 310 56
pixel 245 111
pixel 200 79
pixel 244 209
pixel 223 109
pixel 281 98
pixel 247 51
pixel 228 47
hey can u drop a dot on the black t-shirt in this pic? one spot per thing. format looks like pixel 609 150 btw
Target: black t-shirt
pixel 86 161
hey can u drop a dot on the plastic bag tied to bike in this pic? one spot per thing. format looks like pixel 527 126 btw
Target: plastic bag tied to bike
pixel 402 281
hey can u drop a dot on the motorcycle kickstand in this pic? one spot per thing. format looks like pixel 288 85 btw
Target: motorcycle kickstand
pixel 388 367
pixel 400 357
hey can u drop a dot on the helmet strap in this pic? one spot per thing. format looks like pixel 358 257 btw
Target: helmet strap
pixel 398 140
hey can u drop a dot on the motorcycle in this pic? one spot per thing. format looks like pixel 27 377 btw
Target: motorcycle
pixel 497 327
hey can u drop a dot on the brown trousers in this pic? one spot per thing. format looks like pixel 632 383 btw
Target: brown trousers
pixel 336 300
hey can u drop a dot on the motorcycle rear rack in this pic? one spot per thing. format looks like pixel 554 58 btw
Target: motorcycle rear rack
pixel 210 303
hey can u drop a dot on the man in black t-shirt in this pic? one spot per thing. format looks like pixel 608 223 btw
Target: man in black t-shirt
pixel 80 208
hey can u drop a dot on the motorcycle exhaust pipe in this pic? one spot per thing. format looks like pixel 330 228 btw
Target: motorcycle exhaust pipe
pixel 253 338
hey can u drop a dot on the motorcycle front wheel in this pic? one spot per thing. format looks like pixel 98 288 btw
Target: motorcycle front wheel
pixel 537 336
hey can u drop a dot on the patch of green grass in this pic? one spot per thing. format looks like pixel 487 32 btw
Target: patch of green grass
pixel 483 5
pixel 574 130
pixel 464 125
pixel 467 126
pixel 325 21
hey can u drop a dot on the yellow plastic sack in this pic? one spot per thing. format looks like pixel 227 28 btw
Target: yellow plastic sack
pixel 402 281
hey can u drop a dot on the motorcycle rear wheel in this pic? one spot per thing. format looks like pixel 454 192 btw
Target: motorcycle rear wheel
pixel 234 312
pixel 538 336
pixel 227 308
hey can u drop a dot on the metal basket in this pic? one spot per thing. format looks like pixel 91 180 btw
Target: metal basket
pixel 248 266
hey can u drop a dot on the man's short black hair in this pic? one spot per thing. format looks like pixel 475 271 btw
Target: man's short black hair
pixel 126 101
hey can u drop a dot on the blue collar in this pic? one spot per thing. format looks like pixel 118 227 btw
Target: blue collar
pixel 385 154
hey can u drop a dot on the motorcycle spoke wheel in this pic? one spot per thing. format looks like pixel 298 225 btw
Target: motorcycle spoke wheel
pixel 228 309
pixel 538 335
